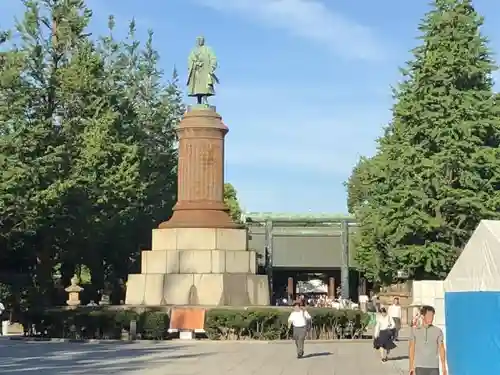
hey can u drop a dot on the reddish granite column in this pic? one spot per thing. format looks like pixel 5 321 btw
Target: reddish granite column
pixel 331 287
pixel 200 191
pixel 290 290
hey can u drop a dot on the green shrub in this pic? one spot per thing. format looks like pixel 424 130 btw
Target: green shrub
pixel 86 323
pixel 271 324
pixel 154 325
pixel 264 324
pixel 220 323
pixel 124 317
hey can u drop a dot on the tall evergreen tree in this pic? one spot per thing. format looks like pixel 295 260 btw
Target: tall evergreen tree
pixel 35 146
pixel 231 201
pixel 437 170
pixel 87 147
pixel 150 107
pixel 357 188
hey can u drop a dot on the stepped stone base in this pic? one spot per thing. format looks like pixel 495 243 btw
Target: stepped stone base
pixel 197 289
pixel 198 261
pixel 198 266
pixel 199 239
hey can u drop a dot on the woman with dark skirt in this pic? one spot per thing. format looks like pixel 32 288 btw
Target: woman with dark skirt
pixel 383 336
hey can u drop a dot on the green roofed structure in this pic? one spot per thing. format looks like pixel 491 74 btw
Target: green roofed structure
pixel 297 217
pixel 292 247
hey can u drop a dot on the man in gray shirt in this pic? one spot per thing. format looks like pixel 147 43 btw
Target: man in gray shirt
pixel 427 346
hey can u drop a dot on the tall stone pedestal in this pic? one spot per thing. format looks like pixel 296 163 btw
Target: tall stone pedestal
pixel 200 181
pixel 199 256
pixel 198 266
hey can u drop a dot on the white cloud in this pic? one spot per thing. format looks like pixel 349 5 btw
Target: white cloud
pixel 309 19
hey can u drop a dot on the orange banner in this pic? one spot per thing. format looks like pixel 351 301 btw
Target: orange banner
pixel 188 319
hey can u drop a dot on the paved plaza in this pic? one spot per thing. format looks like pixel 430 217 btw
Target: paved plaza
pixel 196 358
pixel 193 358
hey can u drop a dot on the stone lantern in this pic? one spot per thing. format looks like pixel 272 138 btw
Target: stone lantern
pixel 73 293
pixel 105 295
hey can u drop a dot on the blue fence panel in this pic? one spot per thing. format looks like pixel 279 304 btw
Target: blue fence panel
pixel 473 332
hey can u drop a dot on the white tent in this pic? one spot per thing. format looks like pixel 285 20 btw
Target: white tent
pixel 478 267
pixel 472 304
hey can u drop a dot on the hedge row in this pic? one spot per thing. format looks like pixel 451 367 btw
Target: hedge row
pixel 95 324
pixel 271 324
pixel 220 324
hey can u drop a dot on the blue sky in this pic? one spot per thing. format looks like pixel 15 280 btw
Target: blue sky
pixel 305 84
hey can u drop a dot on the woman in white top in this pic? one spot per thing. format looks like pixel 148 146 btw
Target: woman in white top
pixel 384 334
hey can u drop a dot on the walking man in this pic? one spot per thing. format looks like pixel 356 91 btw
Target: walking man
pixel 299 319
pixel 375 301
pixel 427 346
pixel 394 312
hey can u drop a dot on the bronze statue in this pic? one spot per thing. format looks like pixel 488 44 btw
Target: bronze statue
pixel 202 64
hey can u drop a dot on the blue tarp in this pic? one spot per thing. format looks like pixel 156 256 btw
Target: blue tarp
pixel 473 332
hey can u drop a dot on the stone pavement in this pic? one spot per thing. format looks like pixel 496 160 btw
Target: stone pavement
pixel 196 358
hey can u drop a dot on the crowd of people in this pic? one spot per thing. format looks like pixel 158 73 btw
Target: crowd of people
pixel 320 300
pixel 426 344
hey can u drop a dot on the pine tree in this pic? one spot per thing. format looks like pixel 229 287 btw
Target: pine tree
pixel 150 108
pixel 437 171
pixel 357 188
pixel 231 201
pixel 35 146
pixel 87 147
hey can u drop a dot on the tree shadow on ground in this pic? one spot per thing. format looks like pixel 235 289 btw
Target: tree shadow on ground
pixel 47 358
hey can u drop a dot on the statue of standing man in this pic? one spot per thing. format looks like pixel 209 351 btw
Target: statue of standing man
pixel 202 64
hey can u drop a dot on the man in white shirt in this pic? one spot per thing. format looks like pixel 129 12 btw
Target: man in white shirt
pixel 394 312
pixel 300 320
